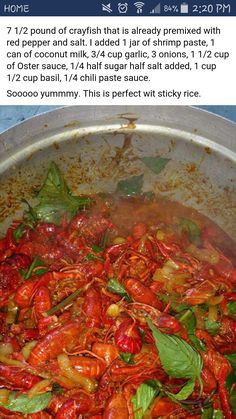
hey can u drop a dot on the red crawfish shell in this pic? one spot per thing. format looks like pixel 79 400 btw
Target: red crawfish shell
pixel 128 338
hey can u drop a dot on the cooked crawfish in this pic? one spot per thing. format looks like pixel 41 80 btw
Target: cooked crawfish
pixel 166 408
pixel 90 367
pixel 127 337
pixel 92 307
pixel 90 228
pixel 106 351
pixel 116 407
pixel 25 292
pixel 220 367
pixel 141 293
pixel 145 364
pixel 82 330
pixel 228 330
pixel 9 280
pixel 57 340
pixel 75 406
pixel 42 302
pixel 16 379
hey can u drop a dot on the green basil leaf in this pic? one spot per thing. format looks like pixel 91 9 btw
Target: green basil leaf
pixel 97 249
pixel 183 394
pixel 130 186
pixel 178 358
pixel 23 404
pixel 186 390
pixel 143 398
pixel 231 306
pixel 55 198
pixel 57 389
pixel 204 307
pixel 212 327
pixel 230 380
pixel 188 320
pixel 198 343
pixel 19 231
pixel 114 286
pixel 232 359
pixel 90 256
pixel 149 195
pixel 30 216
pixel 178 307
pixel 156 164
pixel 232 400
pixel 142 334
pixel 166 298
pixel 210 413
pixel 192 229
pixel 40 271
pixel 127 357
pixel 207 413
pixel 217 414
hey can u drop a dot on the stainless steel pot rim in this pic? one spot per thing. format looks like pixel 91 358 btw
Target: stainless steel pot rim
pixel 45 141
pixel 190 124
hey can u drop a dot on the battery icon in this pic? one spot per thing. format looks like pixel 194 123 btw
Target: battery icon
pixel 184 8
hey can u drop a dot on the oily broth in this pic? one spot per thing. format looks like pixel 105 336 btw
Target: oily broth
pixel 158 213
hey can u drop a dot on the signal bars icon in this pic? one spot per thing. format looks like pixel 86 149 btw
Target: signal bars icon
pixel 156 10
pixel 139 5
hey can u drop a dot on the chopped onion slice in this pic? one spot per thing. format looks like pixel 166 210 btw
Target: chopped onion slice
pixel 67 369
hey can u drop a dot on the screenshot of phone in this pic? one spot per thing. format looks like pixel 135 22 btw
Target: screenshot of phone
pixel 117 209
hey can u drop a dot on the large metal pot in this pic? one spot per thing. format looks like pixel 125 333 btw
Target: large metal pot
pixel 97 146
